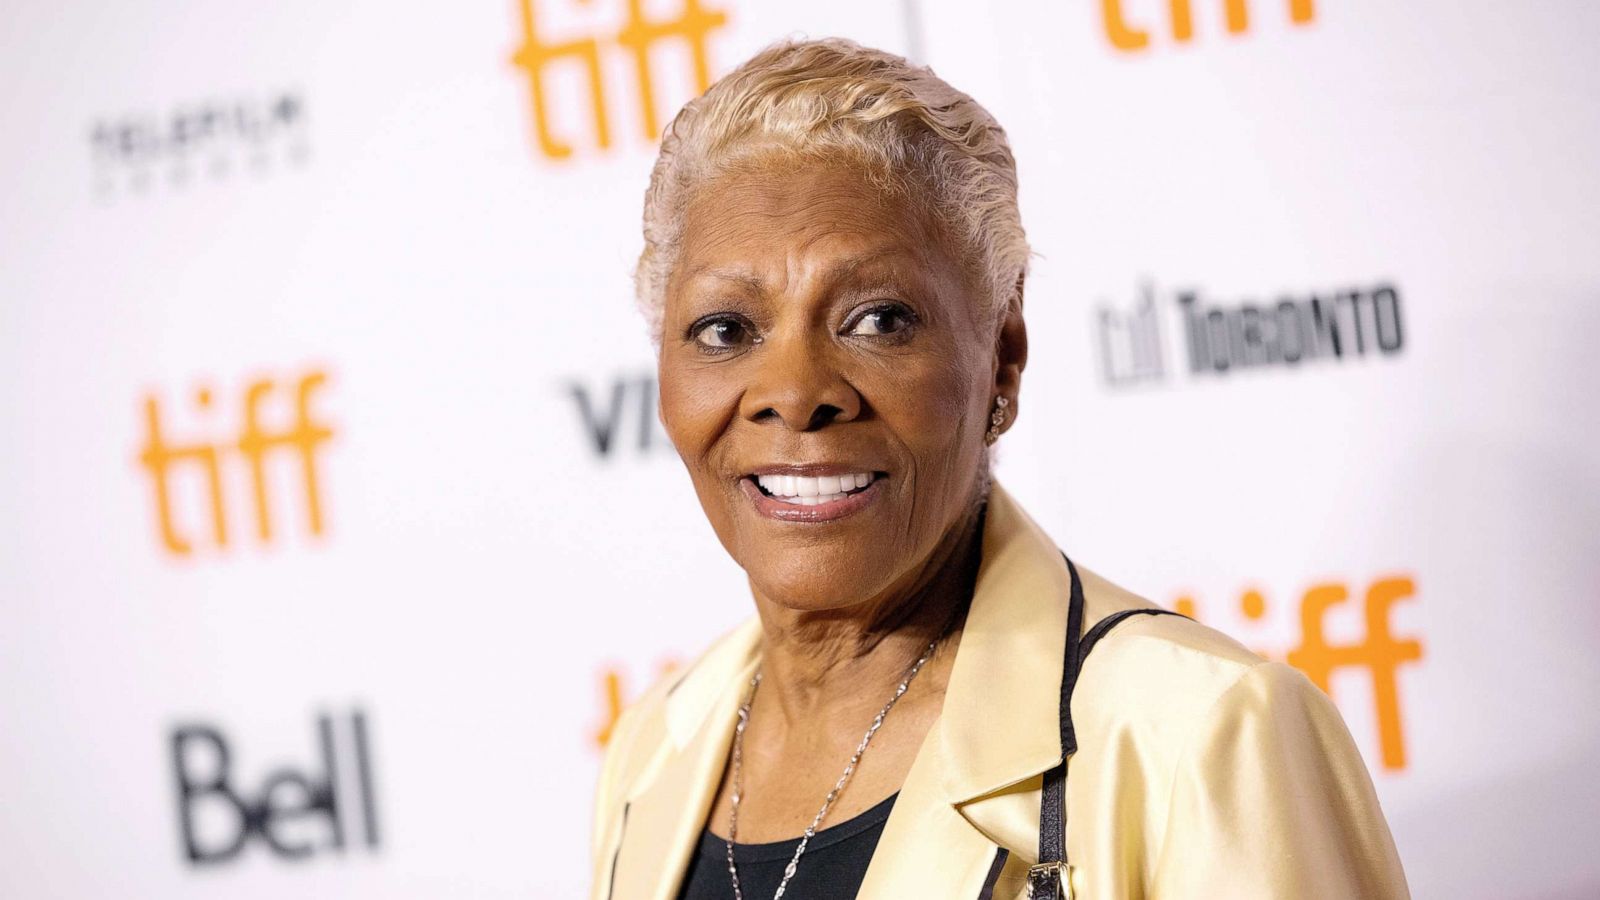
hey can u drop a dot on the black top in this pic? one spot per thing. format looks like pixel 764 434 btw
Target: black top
pixel 833 867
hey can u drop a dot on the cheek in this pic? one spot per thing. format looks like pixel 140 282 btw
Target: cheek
pixel 932 410
pixel 696 406
pixel 932 406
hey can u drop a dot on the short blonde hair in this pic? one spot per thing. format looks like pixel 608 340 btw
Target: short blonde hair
pixel 915 135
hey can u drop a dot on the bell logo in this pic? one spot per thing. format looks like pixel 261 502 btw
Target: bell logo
pixel 1127 37
pixel 300 440
pixel 217 820
pixel 636 38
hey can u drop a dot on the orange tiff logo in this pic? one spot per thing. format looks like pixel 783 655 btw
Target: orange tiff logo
pixel 300 441
pixel 1180 18
pixel 1377 650
pixel 612 690
pixel 636 37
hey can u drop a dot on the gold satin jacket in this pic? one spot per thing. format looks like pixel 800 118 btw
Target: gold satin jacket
pixel 1202 770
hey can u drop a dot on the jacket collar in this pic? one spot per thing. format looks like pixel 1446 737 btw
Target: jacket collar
pixel 998 727
pixel 671 794
pixel 1011 647
pixel 708 687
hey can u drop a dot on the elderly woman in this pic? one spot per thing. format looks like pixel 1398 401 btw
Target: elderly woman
pixel 833 266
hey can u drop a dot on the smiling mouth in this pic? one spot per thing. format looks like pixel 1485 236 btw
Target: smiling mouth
pixel 806 490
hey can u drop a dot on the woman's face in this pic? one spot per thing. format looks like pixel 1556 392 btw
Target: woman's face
pixel 827 374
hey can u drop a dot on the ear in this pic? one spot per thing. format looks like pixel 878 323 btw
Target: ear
pixel 1011 353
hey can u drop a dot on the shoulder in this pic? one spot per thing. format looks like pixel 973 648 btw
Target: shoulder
pixel 1241 771
pixel 1262 792
pixel 1163 678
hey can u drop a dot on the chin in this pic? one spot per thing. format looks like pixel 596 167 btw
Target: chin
pixel 801 586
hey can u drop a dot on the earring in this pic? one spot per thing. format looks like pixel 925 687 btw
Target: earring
pixel 996 419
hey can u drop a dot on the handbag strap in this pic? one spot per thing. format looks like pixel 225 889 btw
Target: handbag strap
pixel 1049 879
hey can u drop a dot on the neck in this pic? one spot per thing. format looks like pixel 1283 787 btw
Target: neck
pixel 840 658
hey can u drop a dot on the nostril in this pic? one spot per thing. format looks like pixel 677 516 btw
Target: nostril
pixel 824 414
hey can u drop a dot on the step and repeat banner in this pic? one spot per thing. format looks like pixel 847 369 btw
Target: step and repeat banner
pixel 339 524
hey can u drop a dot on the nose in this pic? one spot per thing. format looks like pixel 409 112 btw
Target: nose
pixel 797 385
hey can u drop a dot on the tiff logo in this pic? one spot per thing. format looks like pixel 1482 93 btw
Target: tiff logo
pixel 1131 347
pixel 619 416
pixel 300 440
pixel 1128 37
pixel 1377 650
pixel 634 40
pixel 1219 338
pixel 615 698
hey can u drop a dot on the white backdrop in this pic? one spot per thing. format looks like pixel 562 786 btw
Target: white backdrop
pixel 213 210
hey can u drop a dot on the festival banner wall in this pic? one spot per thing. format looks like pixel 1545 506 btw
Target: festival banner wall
pixel 340 525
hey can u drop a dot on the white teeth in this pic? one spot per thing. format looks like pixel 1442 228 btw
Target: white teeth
pixel 808 491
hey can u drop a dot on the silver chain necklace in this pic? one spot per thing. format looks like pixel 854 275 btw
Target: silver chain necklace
pixel 738 789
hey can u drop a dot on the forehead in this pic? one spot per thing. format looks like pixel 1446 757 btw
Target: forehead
pixel 781 222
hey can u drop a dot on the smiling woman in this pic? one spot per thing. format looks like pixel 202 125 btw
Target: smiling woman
pixel 822 329
pixel 834 268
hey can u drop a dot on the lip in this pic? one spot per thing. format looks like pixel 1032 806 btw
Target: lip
pixel 811 470
pixel 773 508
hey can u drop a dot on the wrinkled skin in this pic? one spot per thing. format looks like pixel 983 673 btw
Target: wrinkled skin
pixel 811 319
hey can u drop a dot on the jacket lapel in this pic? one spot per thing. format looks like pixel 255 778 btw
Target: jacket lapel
pixel 928 849
pixel 669 800
pixel 974 787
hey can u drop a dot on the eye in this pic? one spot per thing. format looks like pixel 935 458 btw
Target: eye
pixel 723 332
pixel 878 321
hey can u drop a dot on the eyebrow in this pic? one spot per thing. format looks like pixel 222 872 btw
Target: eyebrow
pixel 835 274
pixel 846 268
pixel 742 276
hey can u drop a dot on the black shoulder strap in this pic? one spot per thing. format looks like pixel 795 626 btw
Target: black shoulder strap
pixel 1048 880
pixel 1109 622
